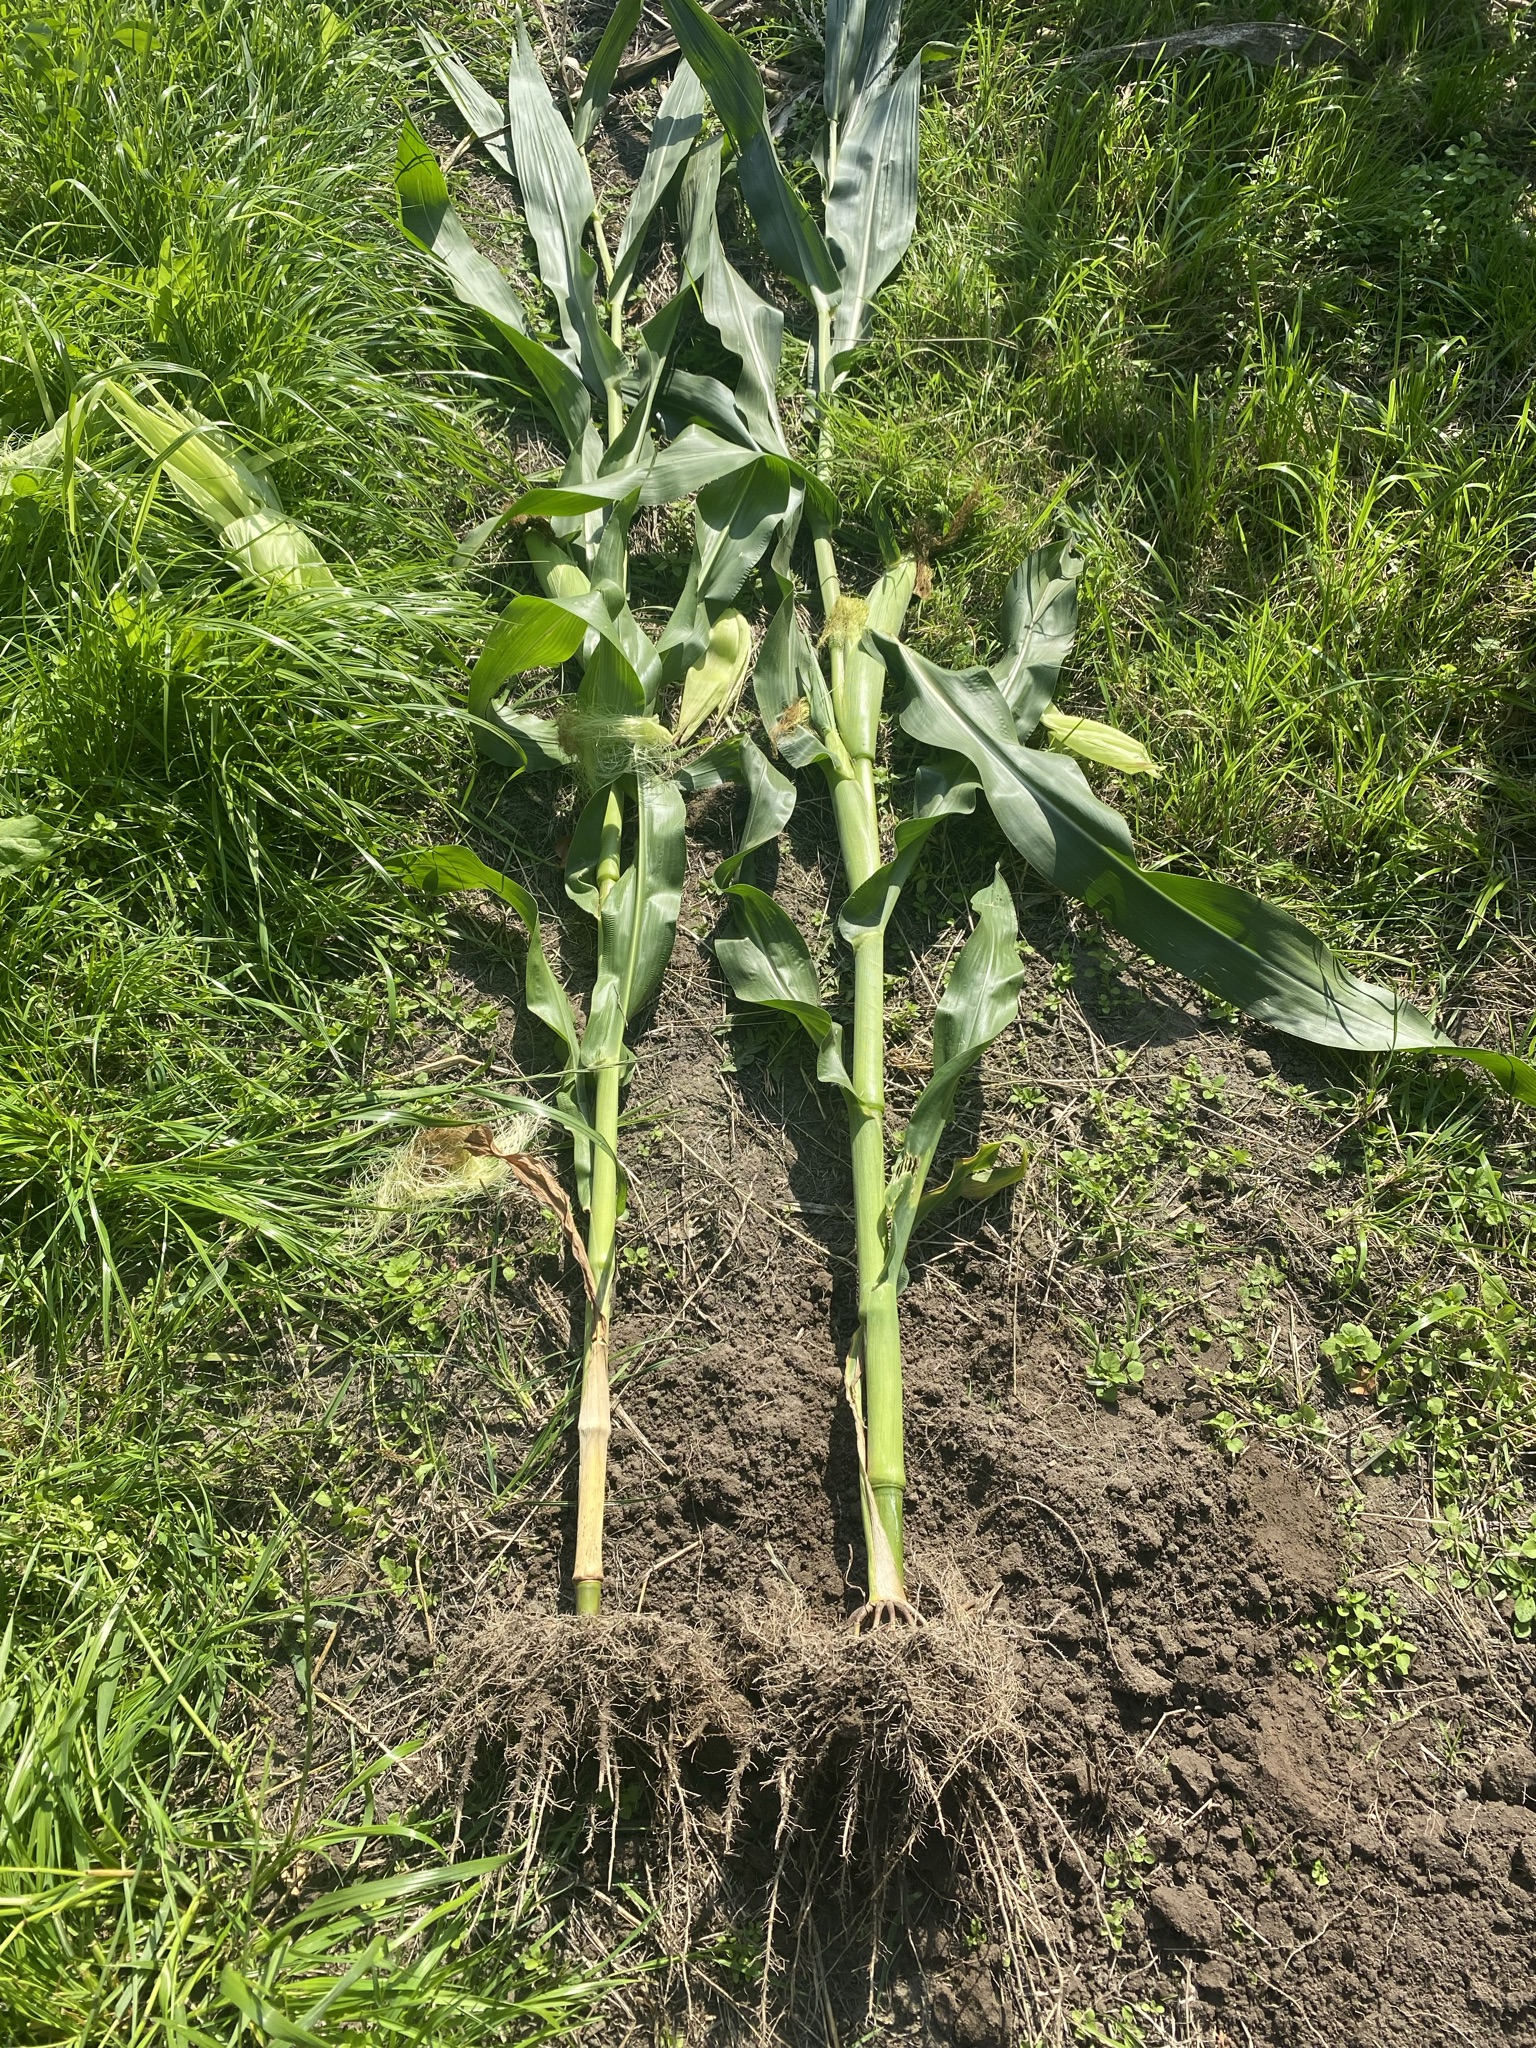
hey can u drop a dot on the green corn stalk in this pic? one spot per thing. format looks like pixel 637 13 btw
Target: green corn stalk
pixel 977 725
pixel 602 385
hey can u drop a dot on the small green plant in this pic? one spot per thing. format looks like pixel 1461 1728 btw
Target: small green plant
pixel 1361 1645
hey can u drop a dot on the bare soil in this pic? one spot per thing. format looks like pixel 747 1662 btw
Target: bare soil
pixel 1096 1779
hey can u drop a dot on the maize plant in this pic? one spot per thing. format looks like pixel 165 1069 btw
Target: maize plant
pixel 975 729
pixel 601 385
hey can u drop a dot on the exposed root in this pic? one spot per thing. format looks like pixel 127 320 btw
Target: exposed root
pixel 835 1791
pixel 885 1614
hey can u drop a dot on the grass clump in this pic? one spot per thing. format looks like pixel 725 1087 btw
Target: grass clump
pixel 204 986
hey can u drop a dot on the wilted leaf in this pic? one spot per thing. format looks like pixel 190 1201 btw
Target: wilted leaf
pixel 872 206
pixel 679 121
pixel 767 962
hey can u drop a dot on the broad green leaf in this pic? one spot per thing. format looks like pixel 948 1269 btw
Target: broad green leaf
pixel 558 575
pixel 542 632
pixel 604 68
pixel 537 739
pixel 690 399
pixel 679 121
pixel 1106 744
pixel 427 219
pixel 484 114
pixel 767 962
pixel 1039 625
pixel 980 1001
pixel 751 329
pixel 791 694
pixel 872 206
pixel 868 910
pixel 734 521
pixel 770 804
pixel 857 704
pixel 790 237
pixel 25 843
pixel 556 190
pixel 441 869
pixel 861 38
pixel 1242 949
pixel 694 461
pixel 711 685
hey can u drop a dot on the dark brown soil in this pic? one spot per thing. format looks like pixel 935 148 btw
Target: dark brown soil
pixel 1096 1781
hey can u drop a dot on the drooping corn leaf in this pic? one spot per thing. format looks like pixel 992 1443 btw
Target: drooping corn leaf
pixel 427 219
pixel 750 328
pixel 691 399
pixel 767 962
pixel 557 196
pixel 484 114
pixel 541 632
pixel 791 695
pixel 679 121
pixel 25 843
pixel 872 205
pixel 980 1001
pixel 1241 948
pixel 711 684
pixel 973 1179
pixel 790 237
pixel 770 805
pixel 861 38
pixel 604 68
pixel 1094 741
pixel 734 520
pixel 440 869
pixel 1039 624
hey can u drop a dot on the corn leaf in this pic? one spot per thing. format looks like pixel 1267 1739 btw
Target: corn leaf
pixel 484 114
pixel 541 632
pixel 734 521
pixel 767 962
pixel 1242 949
pixel 858 703
pixel 1094 741
pixel 980 1001
pixel 639 919
pixel 678 124
pixel 872 205
pixel 427 219
pixel 791 695
pixel 604 68
pixel 556 190
pixel 770 805
pixel 1039 625
pixel 790 237
pixel 440 869
pixel 750 328
pixel 973 1179
pixel 861 38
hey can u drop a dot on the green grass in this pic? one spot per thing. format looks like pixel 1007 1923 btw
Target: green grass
pixel 201 998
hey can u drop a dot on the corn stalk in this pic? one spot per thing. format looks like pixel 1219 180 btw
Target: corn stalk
pixel 599 384
pixel 978 726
